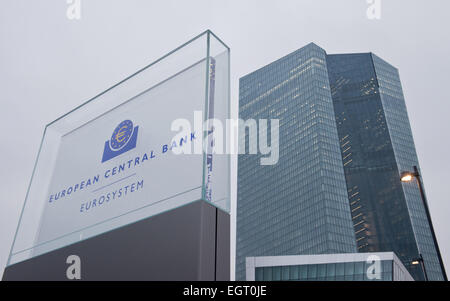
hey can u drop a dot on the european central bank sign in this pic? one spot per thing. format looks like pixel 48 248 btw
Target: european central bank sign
pixel 115 159
pixel 120 167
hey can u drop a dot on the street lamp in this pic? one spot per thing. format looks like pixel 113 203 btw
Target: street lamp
pixel 408 176
pixel 419 260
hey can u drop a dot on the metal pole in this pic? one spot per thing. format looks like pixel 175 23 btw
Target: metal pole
pixel 427 211
pixel 422 263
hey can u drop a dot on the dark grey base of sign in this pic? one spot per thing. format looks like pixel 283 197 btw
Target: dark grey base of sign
pixel 187 243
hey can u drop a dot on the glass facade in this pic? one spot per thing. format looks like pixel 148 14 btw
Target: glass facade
pixel 343 126
pixel 299 205
pixel 377 145
pixel 341 271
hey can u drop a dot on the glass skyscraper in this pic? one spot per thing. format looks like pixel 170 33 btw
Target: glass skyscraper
pixel 299 205
pixel 344 140
pixel 377 145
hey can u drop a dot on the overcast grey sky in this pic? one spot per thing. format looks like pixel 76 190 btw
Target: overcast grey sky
pixel 49 65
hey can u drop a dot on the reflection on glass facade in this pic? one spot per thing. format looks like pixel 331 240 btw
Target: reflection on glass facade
pixel 299 205
pixel 377 145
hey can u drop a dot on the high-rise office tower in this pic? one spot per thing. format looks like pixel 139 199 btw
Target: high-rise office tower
pixel 344 140
pixel 377 145
pixel 299 205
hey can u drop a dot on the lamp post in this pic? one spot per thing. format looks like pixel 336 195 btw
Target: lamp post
pixel 408 176
pixel 419 260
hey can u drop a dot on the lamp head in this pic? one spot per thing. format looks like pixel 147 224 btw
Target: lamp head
pixel 406 176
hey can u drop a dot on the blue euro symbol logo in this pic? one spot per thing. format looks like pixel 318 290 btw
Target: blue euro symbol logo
pixel 123 139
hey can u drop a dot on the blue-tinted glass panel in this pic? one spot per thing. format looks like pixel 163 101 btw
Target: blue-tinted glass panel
pixel 268 274
pixel 340 269
pixel 303 269
pixel 331 270
pixel 285 273
pixel 259 274
pixel 321 271
pixel 293 272
pixel 312 271
pixel 359 268
pixel 276 273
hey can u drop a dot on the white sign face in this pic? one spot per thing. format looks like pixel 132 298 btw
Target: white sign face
pixel 122 161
